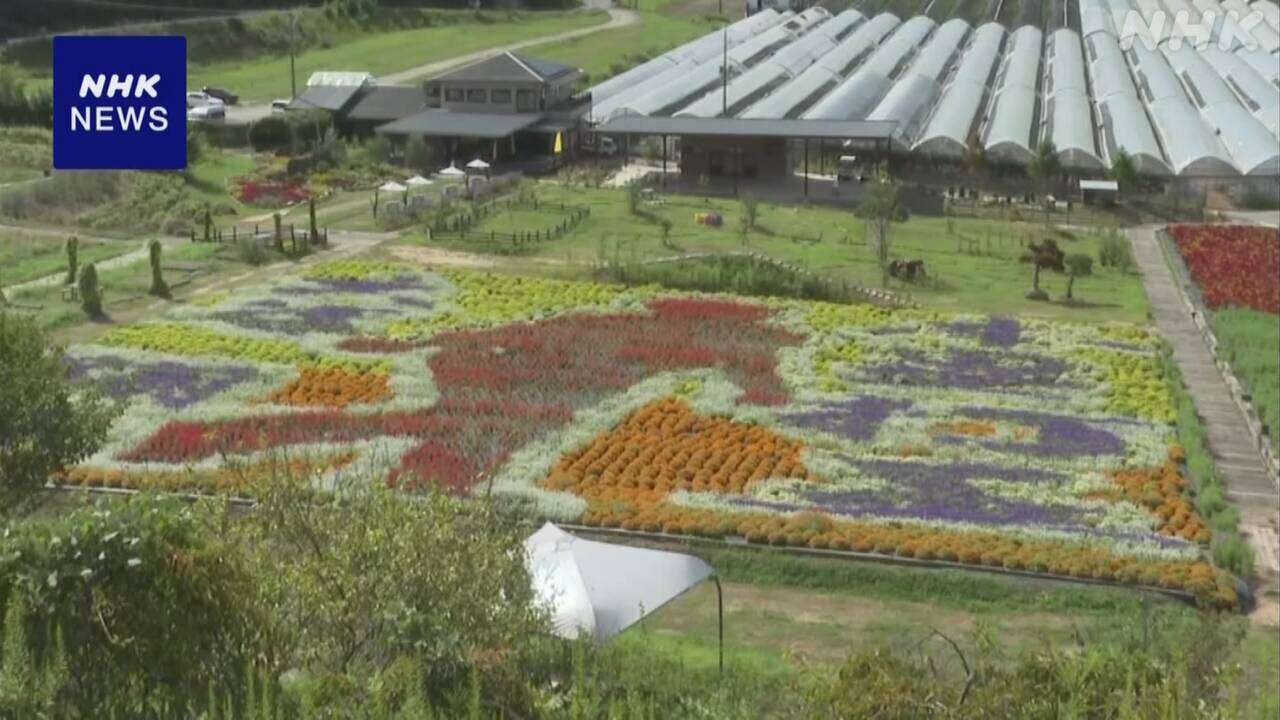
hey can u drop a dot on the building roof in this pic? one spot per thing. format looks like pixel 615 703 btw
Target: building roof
pixel 508 67
pixel 389 102
pixel 338 78
pixel 859 94
pixel 444 123
pixel 741 127
pixel 947 132
pixel 1011 113
pixel 325 97
pixel 1110 185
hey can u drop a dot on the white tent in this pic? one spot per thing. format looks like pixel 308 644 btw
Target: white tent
pixel 451 172
pixel 478 164
pixel 418 181
pixel 392 186
pixel 602 589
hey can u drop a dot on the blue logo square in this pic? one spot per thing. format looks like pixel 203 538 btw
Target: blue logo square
pixel 119 102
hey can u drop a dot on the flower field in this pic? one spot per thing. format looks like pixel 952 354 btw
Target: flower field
pixel 1234 265
pixel 1034 446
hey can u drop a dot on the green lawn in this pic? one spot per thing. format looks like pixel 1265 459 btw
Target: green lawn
pixel 25 257
pixel 263 79
pixel 1250 338
pixel 125 288
pixel 10 174
pixel 604 54
pixel 210 177
pixel 975 270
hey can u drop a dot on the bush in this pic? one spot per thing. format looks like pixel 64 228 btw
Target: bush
pixel 251 253
pixel 1115 252
pixel 45 422
pixel 90 292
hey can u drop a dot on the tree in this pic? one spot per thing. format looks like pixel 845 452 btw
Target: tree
pixel 1045 255
pixel 148 599
pixel 975 158
pixel 73 247
pixel 1045 166
pixel 1123 171
pixel 90 292
pixel 46 423
pixel 1078 265
pixel 417 154
pixel 361 577
pixel 159 287
pixel 880 207
pixel 750 210
pixel 311 211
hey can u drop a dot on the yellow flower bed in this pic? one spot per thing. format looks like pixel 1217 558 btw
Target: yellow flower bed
pixel 181 339
pixel 1137 387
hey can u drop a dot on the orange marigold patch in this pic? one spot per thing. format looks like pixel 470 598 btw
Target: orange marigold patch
pixel 333 387
pixel 1162 490
pixel 971 428
pixel 232 477
pixel 665 446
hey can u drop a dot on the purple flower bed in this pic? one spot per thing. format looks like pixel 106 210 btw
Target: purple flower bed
pixel 277 317
pixel 1001 332
pixel 355 287
pixel 970 369
pixel 857 418
pixel 1059 436
pixel 173 385
pixel 923 491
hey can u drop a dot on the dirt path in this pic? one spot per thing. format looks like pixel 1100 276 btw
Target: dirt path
pixel 1248 484
pixel 118 261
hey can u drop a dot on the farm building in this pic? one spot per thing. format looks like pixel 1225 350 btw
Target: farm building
pixel 1201 109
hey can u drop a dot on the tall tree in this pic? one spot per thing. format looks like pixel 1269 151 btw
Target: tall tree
pixel 1123 171
pixel 879 207
pixel 46 423
pixel 1044 168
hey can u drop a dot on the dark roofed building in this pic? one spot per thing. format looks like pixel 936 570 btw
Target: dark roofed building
pixel 383 104
pixel 333 98
pixel 506 108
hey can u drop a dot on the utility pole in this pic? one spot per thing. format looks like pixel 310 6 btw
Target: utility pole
pixel 293 44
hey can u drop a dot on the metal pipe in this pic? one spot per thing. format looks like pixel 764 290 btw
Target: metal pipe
pixel 720 612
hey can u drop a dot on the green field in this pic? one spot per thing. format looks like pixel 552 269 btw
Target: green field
pixel 662 26
pixel 1249 339
pixel 25 257
pixel 974 270
pixel 262 79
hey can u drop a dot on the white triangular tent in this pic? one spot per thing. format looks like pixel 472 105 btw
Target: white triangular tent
pixel 392 186
pixel 418 181
pixel 451 171
pixel 600 588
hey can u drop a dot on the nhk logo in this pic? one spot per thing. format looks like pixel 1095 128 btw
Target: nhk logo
pixel 119 102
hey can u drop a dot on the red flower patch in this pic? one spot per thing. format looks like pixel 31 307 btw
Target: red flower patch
pixel 1234 265
pixel 502 388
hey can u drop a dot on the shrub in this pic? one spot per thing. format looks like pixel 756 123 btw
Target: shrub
pixel 72 255
pixel 158 286
pixel 251 253
pixel 1115 252
pixel 90 292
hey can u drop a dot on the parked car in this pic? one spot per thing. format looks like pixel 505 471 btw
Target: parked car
pixel 603 146
pixel 200 99
pixel 226 96
pixel 207 113
pixel 280 104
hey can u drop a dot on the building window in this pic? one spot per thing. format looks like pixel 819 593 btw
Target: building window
pixel 453 94
pixel 433 91
pixel 500 97
pixel 526 100
pixel 477 95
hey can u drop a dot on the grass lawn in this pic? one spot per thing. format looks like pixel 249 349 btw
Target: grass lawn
pixel 25 257
pixel 976 270
pixel 125 288
pixel 782 612
pixel 662 26
pixel 263 79
pixel 1250 339
pixel 210 177
pixel 10 174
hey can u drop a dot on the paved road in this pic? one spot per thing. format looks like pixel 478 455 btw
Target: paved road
pixel 1248 484
pixel 617 19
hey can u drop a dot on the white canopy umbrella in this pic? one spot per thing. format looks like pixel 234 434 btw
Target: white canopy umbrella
pixel 451 172
pixel 392 186
pixel 602 589
pixel 478 164
pixel 418 181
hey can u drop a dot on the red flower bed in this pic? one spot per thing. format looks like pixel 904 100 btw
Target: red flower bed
pixel 255 192
pixel 1234 265
pixel 501 388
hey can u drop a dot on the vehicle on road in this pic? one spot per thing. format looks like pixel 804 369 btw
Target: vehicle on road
pixel 226 96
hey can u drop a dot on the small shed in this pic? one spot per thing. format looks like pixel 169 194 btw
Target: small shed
pixel 1099 192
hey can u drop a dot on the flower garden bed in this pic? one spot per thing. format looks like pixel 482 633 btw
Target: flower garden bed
pixel 1234 265
pixel 1033 446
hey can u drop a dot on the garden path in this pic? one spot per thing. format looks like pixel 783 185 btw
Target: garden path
pixel 118 261
pixel 1247 482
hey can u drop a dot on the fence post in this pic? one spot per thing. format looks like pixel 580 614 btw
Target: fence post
pixel 234 237
pixel 193 234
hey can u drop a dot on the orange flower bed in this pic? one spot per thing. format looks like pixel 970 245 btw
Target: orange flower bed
pixel 1162 490
pixel 665 446
pixel 626 474
pixel 226 478
pixel 333 387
